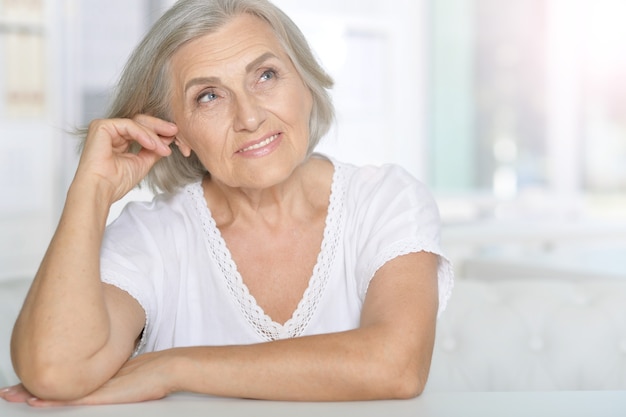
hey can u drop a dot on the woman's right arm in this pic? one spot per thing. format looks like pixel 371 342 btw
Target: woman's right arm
pixel 74 332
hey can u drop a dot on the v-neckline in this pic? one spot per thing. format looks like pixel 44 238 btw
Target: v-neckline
pixel 262 323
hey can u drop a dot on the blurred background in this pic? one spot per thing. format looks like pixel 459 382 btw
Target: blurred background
pixel 513 112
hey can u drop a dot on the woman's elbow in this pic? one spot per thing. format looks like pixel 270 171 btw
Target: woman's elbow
pixel 51 380
pixel 53 383
pixel 401 379
pixel 411 387
pixel 408 384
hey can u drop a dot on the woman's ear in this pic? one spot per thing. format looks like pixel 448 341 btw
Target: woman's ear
pixel 182 146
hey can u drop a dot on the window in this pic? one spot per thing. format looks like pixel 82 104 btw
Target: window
pixel 27 145
pixel 22 48
pixel 529 97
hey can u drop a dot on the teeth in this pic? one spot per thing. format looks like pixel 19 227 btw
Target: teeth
pixel 260 144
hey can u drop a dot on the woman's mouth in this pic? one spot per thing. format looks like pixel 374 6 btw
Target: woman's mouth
pixel 259 145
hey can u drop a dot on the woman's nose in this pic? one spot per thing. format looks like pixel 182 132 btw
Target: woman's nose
pixel 249 114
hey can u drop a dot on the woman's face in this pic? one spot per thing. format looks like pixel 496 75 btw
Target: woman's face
pixel 240 105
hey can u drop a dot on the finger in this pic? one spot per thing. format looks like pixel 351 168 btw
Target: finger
pixel 36 402
pixel 41 403
pixel 19 394
pixel 129 131
pixel 108 154
pixel 165 131
pixel 150 157
pixel 159 126
pixel 103 395
pixel 116 135
pixel 15 394
pixel 120 133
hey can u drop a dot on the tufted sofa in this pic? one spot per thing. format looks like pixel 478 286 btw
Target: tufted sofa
pixel 506 334
pixel 532 334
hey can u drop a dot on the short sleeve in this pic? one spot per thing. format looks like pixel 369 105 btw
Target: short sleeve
pixel 130 260
pixel 397 215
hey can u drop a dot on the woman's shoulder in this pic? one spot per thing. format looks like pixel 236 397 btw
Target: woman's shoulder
pixel 162 208
pixel 368 181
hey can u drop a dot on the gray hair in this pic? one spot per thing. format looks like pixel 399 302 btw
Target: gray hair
pixel 144 86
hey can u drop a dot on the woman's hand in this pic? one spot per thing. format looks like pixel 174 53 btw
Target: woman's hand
pixel 15 394
pixel 106 157
pixel 143 378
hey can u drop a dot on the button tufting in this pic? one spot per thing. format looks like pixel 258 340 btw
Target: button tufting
pixel 580 300
pixel 535 344
pixel 449 344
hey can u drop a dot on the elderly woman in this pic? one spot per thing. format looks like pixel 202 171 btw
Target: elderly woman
pixel 260 269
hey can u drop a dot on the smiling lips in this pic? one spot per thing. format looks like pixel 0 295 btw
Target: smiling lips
pixel 259 145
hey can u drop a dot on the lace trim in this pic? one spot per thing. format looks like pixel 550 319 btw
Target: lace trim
pixel 445 272
pixel 263 325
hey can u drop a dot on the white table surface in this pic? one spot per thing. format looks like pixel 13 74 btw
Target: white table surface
pixel 462 404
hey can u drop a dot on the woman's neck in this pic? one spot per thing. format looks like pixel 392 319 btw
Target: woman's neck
pixel 300 197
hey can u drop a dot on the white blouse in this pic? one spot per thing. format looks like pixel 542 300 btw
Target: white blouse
pixel 170 256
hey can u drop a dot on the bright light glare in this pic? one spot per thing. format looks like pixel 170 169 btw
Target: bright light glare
pixel 606 37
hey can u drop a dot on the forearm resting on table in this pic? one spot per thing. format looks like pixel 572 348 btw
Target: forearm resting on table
pixel 362 364
pixel 65 323
pixel 388 356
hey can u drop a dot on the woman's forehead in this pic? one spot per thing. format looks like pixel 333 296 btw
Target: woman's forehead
pixel 240 40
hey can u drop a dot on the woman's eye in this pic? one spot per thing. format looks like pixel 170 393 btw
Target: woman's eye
pixel 268 75
pixel 207 97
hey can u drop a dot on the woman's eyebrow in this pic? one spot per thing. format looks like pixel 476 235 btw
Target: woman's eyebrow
pixel 264 57
pixel 215 80
pixel 201 80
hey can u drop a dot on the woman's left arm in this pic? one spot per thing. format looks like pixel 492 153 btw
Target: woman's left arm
pixel 387 357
